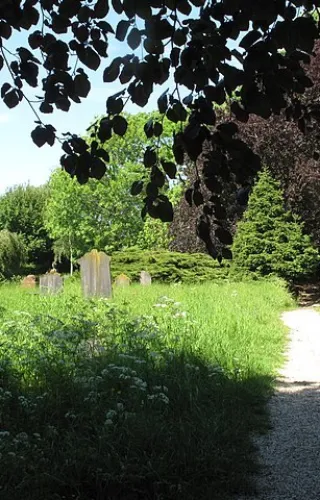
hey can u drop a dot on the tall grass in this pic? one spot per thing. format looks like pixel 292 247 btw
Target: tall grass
pixel 151 395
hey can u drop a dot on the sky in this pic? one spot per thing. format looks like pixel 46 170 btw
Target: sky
pixel 22 161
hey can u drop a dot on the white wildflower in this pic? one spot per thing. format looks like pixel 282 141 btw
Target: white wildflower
pixel 159 397
pixel 140 361
pixel 22 436
pixel 181 314
pixel 111 414
pixel 70 415
pixel 160 388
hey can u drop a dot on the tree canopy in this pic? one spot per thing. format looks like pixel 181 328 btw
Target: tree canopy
pixel 21 212
pixel 269 239
pixel 12 254
pixel 101 214
pixel 206 51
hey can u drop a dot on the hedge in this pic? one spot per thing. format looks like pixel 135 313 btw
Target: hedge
pixel 168 266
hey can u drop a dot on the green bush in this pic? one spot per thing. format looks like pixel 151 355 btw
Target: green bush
pixel 270 240
pixel 12 254
pixel 167 266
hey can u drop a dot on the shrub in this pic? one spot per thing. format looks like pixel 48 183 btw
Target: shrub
pixel 12 254
pixel 270 240
pixel 167 266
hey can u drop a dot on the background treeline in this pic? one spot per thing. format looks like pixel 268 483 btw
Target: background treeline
pixel 62 220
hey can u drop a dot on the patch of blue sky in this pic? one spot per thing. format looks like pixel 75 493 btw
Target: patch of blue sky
pixel 21 161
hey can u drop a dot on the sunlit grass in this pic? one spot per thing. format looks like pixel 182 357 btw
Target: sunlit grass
pixel 152 394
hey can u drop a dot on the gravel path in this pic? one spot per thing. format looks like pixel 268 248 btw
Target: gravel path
pixel 290 452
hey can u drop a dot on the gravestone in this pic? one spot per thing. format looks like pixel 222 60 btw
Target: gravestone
pixel 95 274
pixel 29 281
pixel 122 280
pixel 51 283
pixel 145 278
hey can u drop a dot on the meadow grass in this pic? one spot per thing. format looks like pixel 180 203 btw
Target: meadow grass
pixel 154 394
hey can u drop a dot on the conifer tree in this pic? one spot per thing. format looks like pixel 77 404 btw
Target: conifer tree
pixel 269 239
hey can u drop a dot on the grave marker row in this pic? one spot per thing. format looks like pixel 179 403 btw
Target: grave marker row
pixel 95 277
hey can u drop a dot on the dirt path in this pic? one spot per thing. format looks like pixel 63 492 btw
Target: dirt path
pixel 290 452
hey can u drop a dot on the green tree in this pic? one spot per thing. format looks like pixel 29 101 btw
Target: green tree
pixel 98 214
pixel 12 254
pixel 101 214
pixel 155 234
pixel 186 45
pixel 269 239
pixel 22 212
pixel 65 215
pixel 130 147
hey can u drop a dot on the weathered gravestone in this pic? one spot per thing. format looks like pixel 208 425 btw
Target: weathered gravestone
pixel 122 280
pixel 145 278
pixel 95 274
pixel 51 283
pixel 29 281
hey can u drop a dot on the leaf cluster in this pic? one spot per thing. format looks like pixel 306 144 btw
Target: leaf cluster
pixel 269 239
pixel 168 267
pixel 274 40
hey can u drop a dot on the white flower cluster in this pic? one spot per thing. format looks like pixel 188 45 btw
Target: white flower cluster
pixel 159 395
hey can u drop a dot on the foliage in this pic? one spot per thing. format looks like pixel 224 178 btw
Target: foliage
pixel 269 239
pixel 103 400
pixel 288 154
pixel 100 214
pixel 70 219
pixel 186 39
pixel 187 216
pixel 12 254
pixel 156 235
pixel 168 266
pixel 64 214
pixel 21 212
pixel 129 148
